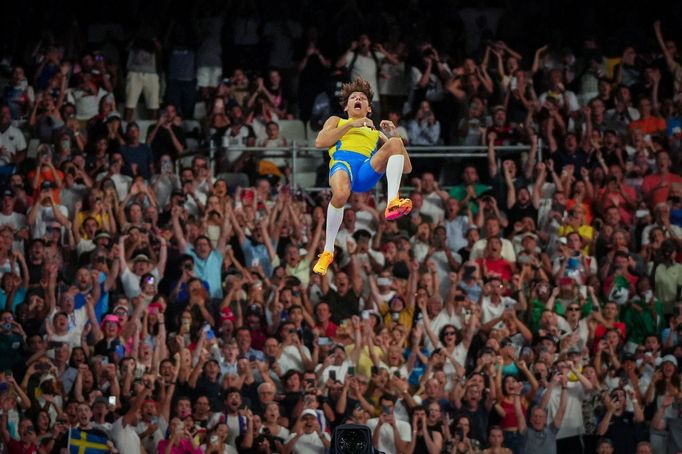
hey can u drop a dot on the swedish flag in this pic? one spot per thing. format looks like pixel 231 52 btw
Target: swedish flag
pixel 81 442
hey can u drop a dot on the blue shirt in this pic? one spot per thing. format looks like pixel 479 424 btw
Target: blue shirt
pixel 183 294
pixel 101 306
pixel 142 155
pixel 676 217
pixel 256 254
pixel 19 297
pixel 209 270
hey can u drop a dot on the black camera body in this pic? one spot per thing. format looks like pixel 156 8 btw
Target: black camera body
pixel 352 439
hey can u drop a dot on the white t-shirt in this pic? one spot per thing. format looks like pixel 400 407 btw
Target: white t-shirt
pixel 72 338
pixel 438 322
pixel 582 329
pixel 18 222
pixel 87 105
pixel 673 231
pixel 491 311
pixel 191 205
pixel 459 355
pixel 291 358
pixel 478 251
pixel 567 99
pixel 572 423
pixel 308 443
pixel 122 183
pixel 433 206
pixel 12 140
pixel 340 371
pixel 150 443
pixel 366 68
pixel 386 440
pixel 77 320
pixel 364 220
pixel 163 186
pixel 125 438
pixel 131 282
pixel 47 219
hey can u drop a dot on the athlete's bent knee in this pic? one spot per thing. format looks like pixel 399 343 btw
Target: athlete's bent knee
pixel 395 145
pixel 340 196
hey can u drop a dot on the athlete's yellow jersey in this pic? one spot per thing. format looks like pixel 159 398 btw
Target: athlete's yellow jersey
pixel 362 140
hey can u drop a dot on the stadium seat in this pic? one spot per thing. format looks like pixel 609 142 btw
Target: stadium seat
pixel 310 134
pixel 200 110
pixel 190 126
pixel 144 127
pixel 292 130
pixel 191 144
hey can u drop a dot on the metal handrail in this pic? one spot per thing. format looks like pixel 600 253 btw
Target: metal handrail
pixel 296 151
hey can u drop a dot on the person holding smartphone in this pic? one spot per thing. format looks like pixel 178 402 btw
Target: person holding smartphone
pixel 388 433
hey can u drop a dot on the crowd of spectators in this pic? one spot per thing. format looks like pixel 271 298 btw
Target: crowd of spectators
pixel 530 303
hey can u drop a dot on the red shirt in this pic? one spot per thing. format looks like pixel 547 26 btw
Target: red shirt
pixel 649 125
pixel 660 194
pixel 18 447
pixel 500 267
pixel 47 175
pixel 600 331
pixel 610 199
pixel 510 420
pixel 330 331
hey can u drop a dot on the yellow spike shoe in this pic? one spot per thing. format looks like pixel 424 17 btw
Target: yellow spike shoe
pixel 325 259
pixel 396 208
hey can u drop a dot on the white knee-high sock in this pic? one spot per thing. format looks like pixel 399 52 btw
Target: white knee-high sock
pixel 334 219
pixel 394 171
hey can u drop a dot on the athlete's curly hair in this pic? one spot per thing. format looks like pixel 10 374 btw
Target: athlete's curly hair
pixel 358 85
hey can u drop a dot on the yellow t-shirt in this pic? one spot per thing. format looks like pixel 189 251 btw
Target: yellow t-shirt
pixel 98 217
pixel 362 140
pixel 364 366
pixel 405 318
pixel 585 231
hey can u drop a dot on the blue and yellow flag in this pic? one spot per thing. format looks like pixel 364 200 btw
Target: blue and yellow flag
pixel 81 442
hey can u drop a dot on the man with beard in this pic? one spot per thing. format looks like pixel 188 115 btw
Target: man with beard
pixel 307 437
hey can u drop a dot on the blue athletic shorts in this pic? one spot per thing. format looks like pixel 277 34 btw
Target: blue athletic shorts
pixel 358 167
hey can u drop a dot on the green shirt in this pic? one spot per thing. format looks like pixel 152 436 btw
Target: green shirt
pixel 459 192
pixel 537 307
pixel 641 322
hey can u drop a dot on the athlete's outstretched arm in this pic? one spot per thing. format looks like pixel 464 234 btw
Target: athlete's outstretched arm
pixel 331 131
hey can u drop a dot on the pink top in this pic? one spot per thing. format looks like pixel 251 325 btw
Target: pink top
pixel 184 447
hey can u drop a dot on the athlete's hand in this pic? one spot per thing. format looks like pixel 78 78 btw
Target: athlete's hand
pixel 387 126
pixel 361 122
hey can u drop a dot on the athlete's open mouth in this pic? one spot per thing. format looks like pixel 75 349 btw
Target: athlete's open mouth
pixel 357 105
